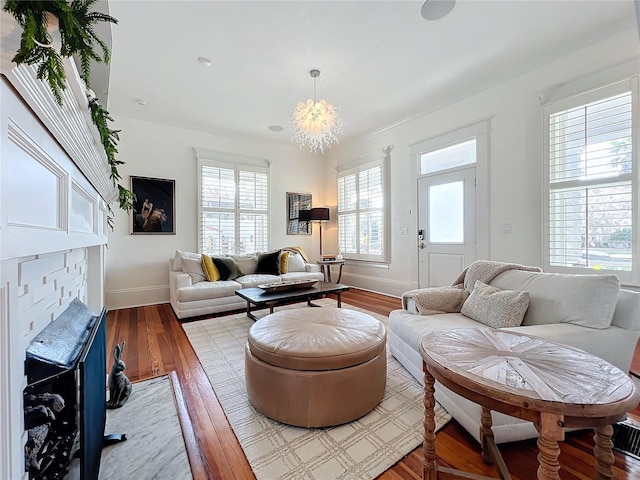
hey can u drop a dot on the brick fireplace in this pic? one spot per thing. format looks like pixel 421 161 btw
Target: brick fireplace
pixel 54 195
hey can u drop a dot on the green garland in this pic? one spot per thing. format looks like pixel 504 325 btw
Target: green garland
pixel 77 38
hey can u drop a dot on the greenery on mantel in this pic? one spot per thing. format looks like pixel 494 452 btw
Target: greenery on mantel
pixel 77 37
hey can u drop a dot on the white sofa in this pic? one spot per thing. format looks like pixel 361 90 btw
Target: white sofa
pixel 589 312
pixel 191 294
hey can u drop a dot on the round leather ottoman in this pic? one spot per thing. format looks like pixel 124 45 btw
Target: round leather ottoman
pixel 316 367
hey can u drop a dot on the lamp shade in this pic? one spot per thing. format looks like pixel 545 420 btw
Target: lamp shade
pixel 320 214
pixel 304 215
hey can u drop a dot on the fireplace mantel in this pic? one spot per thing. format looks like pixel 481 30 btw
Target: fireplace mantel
pixel 55 190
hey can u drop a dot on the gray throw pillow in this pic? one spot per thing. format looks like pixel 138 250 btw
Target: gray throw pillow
pixel 494 307
pixel 228 268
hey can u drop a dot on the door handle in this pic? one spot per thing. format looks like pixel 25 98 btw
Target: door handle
pixel 421 245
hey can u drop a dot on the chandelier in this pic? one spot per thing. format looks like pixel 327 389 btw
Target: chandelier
pixel 316 123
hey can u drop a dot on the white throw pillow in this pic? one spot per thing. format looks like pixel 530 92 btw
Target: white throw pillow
pixel 295 263
pixel 494 307
pixel 177 260
pixel 193 267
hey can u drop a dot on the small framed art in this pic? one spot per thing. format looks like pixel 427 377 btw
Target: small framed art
pixel 154 207
pixel 295 203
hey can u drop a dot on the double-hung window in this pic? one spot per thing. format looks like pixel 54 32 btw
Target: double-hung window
pixel 362 216
pixel 591 180
pixel 233 205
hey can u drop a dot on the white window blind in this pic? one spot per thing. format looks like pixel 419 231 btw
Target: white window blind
pixel 234 208
pixel 592 181
pixel 361 212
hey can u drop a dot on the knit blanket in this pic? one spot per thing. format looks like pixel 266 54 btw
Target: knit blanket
pixel 434 300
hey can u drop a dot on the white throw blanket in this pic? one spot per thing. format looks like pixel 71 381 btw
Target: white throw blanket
pixel 450 299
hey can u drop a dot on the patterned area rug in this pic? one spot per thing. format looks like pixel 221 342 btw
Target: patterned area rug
pixel 362 449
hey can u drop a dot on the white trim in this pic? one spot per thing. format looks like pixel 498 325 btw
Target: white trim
pixel 202 154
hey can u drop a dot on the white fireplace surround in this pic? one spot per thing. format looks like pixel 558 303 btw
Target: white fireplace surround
pixel 54 195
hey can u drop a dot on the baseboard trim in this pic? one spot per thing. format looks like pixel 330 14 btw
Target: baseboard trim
pixel 393 288
pixel 136 297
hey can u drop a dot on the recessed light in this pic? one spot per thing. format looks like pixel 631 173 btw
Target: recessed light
pixel 204 61
pixel 275 128
pixel 140 102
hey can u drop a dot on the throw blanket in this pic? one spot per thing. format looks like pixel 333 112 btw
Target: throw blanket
pixel 450 299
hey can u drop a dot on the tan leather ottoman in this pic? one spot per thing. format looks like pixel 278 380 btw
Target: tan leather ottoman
pixel 316 367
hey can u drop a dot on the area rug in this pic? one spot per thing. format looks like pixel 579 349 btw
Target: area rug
pixel 154 447
pixel 362 449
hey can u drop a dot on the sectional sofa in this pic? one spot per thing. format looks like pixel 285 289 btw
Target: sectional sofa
pixel 589 312
pixel 193 294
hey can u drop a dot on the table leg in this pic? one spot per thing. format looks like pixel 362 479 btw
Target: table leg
pixel 340 273
pixel 551 432
pixel 328 273
pixel 339 299
pixel 486 435
pixel 429 468
pixel 249 314
pixel 602 451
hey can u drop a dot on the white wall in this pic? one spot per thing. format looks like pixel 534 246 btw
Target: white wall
pixel 136 268
pixel 137 264
pixel 515 159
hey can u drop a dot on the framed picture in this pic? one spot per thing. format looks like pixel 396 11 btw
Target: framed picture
pixel 295 203
pixel 154 206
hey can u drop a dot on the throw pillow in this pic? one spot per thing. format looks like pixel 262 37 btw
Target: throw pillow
pixel 295 263
pixel 432 300
pixel 210 270
pixel 193 267
pixel 494 307
pixel 227 267
pixel 177 259
pixel 269 263
pixel 284 261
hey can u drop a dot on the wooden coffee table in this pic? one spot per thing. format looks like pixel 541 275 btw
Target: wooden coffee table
pixel 554 386
pixel 257 298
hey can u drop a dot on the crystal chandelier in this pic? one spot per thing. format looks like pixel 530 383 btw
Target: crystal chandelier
pixel 316 123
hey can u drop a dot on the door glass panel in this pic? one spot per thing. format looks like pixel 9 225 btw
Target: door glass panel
pixel 446 213
pixel 463 153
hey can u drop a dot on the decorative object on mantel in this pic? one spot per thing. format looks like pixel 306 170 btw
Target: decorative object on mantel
pixel 316 123
pixel 119 384
pixel 39 45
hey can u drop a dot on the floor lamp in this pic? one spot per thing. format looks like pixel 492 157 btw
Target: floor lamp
pixel 318 215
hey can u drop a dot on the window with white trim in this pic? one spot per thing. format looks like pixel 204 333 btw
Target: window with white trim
pixel 591 180
pixel 362 219
pixel 234 207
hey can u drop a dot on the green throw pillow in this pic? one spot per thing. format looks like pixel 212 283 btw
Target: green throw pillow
pixel 269 263
pixel 227 267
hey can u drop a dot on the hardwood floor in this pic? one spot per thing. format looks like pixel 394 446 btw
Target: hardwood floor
pixel 156 345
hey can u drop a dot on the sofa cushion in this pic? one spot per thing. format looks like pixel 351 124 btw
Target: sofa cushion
pixel 247 263
pixel 193 267
pixel 228 268
pixel 587 300
pixel 208 291
pixel 210 270
pixel 269 263
pixel 251 281
pixel 494 307
pixel 295 263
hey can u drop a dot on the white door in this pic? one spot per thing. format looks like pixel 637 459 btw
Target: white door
pixel 446 225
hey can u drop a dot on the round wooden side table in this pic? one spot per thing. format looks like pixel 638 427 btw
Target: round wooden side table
pixel 554 386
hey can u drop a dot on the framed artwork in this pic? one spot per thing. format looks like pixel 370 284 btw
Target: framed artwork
pixel 295 203
pixel 154 206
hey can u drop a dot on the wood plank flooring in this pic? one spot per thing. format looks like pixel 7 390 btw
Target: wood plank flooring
pixel 156 345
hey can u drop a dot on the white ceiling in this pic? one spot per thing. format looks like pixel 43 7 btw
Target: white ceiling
pixel 381 62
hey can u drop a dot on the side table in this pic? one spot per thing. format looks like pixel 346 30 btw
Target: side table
pixel 325 268
pixel 555 386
